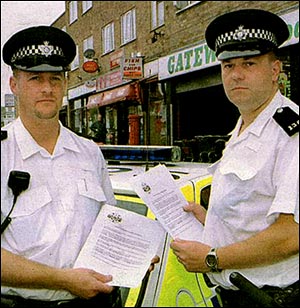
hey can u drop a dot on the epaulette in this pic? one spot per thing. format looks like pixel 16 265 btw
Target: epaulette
pixel 287 119
pixel 3 134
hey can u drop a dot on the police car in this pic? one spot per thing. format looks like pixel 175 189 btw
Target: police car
pixel 169 285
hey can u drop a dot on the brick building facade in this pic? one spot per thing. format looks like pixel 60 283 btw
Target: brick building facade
pixel 180 95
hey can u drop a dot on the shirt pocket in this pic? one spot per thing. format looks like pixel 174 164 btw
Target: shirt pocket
pixel 31 201
pixel 91 190
pixel 33 225
pixel 238 168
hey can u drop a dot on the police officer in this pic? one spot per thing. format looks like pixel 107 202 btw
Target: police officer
pixel 69 182
pixel 251 226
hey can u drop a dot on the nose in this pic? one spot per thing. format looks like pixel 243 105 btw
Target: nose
pixel 237 72
pixel 46 85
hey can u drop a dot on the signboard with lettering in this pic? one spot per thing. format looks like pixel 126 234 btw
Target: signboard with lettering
pixel 186 61
pixel 109 80
pixel 115 58
pixel 201 56
pixel 133 68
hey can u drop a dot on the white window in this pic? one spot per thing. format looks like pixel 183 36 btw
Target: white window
pixel 128 27
pixel 86 5
pixel 158 14
pixel 108 38
pixel 183 4
pixel 88 44
pixel 73 11
pixel 75 63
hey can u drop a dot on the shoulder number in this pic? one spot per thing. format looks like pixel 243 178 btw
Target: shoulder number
pixel 287 119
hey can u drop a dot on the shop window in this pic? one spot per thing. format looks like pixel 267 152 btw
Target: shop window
pixel 78 117
pixel 98 134
pixel 158 115
pixel 289 76
pixel 111 125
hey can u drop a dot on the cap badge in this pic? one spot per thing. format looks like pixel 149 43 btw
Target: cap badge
pixel 46 49
pixel 240 33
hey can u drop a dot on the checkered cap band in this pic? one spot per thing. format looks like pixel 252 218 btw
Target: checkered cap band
pixel 242 34
pixel 42 50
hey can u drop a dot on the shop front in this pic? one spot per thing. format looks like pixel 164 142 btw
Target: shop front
pixel 196 96
pixel 121 110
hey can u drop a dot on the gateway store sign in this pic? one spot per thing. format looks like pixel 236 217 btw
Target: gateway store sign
pixel 201 56
pixel 186 61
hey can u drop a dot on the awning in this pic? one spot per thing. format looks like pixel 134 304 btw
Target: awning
pixel 127 92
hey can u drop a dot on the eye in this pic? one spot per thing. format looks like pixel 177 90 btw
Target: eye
pixel 56 78
pixel 34 77
pixel 227 66
pixel 249 63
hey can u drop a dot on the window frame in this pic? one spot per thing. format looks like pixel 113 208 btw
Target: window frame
pixel 88 43
pixel 157 14
pixel 75 63
pixel 73 11
pixel 86 5
pixel 108 41
pixel 128 34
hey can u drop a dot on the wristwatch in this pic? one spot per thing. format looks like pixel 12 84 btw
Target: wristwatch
pixel 211 260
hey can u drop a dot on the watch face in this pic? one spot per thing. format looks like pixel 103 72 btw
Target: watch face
pixel 211 260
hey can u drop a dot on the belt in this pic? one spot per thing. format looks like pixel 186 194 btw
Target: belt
pixel 16 301
pixel 101 300
pixel 282 297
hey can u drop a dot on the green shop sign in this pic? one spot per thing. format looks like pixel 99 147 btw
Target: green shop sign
pixel 188 60
pixel 201 56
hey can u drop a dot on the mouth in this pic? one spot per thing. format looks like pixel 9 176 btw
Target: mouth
pixel 238 88
pixel 46 101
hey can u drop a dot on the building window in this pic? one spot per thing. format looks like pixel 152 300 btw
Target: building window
pixel 73 11
pixel 75 63
pixel 184 4
pixel 157 13
pixel 88 44
pixel 108 38
pixel 128 27
pixel 86 5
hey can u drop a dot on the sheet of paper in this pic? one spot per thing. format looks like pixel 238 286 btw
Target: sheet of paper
pixel 157 188
pixel 122 244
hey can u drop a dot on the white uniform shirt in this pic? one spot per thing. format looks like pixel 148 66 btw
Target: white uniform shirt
pixel 53 217
pixel 256 180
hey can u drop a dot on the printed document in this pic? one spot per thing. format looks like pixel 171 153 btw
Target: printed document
pixel 157 188
pixel 122 244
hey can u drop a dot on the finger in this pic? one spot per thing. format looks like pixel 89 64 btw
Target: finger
pixel 102 278
pixel 156 259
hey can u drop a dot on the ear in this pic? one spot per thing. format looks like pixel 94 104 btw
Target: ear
pixel 276 69
pixel 13 84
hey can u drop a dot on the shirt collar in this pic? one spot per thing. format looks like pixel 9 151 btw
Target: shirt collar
pixel 259 123
pixel 28 146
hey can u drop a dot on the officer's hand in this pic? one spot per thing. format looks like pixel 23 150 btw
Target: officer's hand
pixel 155 260
pixel 191 254
pixel 198 211
pixel 85 283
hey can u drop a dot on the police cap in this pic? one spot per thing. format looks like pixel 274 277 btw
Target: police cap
pixel 41 48
pixel 247 32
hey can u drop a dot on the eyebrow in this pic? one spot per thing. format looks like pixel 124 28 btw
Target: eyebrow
pixel 244 59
